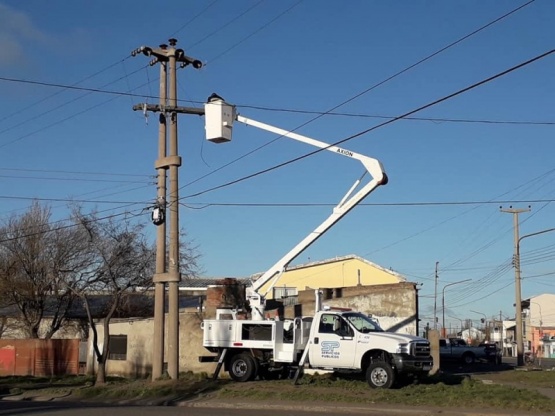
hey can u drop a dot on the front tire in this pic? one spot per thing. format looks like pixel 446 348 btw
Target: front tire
pixel 380 375
pixel 468 359
pixel 242 367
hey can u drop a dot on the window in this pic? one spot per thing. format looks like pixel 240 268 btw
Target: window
pixel 326 324
pixel 284 292
pixel 118 347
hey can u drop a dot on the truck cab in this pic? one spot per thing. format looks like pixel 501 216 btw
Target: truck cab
pixel 352 341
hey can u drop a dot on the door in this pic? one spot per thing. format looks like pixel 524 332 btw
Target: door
pixel 333 345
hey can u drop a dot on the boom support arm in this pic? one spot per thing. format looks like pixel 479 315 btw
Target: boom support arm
pixel 372 167
pixel 349 201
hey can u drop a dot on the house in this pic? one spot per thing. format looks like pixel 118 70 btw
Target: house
pixel 539 324
pixel 502 333
pixel 347 282
pixel 338 272
pixel 472 335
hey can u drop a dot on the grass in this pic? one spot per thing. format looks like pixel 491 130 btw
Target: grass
pixel 188 385
pixel 29 386
pixel 439 391
pixel 30 381
pixel 543 379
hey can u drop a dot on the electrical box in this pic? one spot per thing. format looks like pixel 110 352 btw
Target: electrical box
pixel 219 117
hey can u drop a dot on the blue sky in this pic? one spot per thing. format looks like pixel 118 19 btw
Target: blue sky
pixel 309 55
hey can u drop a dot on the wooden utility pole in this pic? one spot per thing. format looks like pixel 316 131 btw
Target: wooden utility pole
pixel 168 57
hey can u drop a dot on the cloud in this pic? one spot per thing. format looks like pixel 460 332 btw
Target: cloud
pixel 16 29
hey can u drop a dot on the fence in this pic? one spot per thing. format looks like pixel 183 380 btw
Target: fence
pixel 39 357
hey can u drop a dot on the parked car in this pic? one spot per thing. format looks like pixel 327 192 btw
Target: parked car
pixel 494 354
pixel 456 349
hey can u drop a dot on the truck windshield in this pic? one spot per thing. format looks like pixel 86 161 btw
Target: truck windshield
pixel 363 323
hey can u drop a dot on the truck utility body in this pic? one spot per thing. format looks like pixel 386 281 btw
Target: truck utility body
pixel 337 340
pixel 343 341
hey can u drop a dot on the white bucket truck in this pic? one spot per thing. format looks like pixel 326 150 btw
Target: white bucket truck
pixel 336 340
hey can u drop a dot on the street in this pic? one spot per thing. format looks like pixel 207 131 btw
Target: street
pixel 78 409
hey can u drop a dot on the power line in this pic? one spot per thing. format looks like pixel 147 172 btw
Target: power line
pixel 70 199
pixel 408 68
pixel 28 198
pixel 254 33
pixel 100 90
pixel 63 227
pixel 65 119
pixel 77 172
pixel 42 178
pixel 483 297
pixel 433 119
pixel 68 102
pixel 374 204
pixel 366 131
pixel 226 25
pixel 370 89
pixel 59 92
pixel 195 17
pixel 71 87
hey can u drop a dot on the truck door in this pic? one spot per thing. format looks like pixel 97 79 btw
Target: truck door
pixel 333 344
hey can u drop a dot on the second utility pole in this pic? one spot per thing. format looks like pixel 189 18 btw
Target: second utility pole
pixel 518 295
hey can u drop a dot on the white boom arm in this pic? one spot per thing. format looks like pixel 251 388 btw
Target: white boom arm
pixel 349 201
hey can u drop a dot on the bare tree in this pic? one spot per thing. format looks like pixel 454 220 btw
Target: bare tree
pixel 122 263
pixel 36 264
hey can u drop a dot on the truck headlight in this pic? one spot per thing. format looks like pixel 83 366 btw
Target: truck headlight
pixel 403 349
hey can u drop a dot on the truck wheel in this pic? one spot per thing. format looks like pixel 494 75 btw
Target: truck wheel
pixel 242 367
pixel 468 358
pixel 380 375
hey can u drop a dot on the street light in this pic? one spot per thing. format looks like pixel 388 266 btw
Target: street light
pixel 518 303
pixel 443 299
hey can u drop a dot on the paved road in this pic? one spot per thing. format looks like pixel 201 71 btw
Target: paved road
pixel 240 409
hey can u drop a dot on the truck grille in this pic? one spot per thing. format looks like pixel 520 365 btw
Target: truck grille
pixel 420 349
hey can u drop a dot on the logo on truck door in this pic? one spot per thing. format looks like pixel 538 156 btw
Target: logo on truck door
pixel 328 349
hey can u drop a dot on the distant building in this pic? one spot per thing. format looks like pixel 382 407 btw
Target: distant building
pixel 338 272
pixel 472 335
pixel 539 325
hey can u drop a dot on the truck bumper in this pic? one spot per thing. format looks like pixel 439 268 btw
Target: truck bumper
pixel 408 364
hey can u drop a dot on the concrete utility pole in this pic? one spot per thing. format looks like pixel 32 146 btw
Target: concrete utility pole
pixel 435 297
pixel 168 57
pixel 518 295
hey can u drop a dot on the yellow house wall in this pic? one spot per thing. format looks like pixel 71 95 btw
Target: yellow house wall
pixel 343 273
